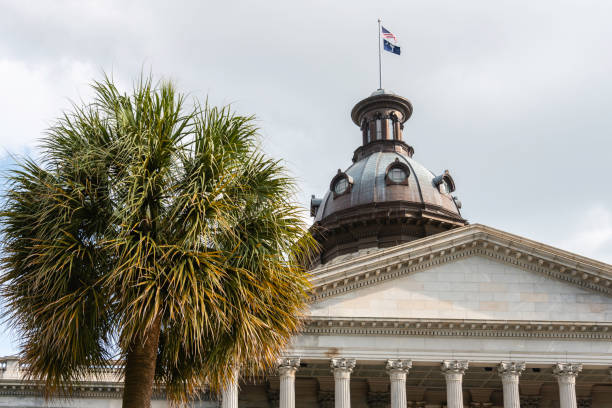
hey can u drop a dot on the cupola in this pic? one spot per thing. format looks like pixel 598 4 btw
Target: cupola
pixel 385 197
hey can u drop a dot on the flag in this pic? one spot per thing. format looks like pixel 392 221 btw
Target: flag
pixel 391 47
pixel 388 34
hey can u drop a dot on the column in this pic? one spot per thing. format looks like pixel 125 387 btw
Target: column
pixel 510 371
pixel 287 366
pixel 566 377
pixel 398 369
pixel 453 371
pixel 229 396
pixel 386 133
pixel 342 368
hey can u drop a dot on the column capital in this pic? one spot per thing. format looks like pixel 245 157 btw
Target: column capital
pixel 398 365
pixel 454 366
pixel 288 365
pixel 566 369
pixel 511 368
pixel 341 364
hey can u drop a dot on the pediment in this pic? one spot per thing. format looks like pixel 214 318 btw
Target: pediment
pixel 473 241
pixel 470 288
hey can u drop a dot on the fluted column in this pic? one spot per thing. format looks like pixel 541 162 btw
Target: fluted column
pixel 510 371
pixel 566 377
pixel 398 369
pixel 342 368
pixel 453 371
pixel 287 366
pixel 229 395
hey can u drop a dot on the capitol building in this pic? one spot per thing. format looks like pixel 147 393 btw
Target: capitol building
pixel 412 306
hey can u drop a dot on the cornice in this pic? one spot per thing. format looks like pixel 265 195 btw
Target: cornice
pixel 472 240
pixel 85 390
pixel 457 328
pixel 106 390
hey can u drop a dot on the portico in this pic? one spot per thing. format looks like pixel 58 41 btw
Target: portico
pixel 452 383
pixel 473 317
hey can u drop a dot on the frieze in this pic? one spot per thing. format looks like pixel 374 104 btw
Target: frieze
pixel 24 388
pixel 456 328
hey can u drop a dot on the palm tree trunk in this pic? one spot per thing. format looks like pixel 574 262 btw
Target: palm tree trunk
pixel 140 369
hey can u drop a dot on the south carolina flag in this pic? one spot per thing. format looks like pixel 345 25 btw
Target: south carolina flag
pixel 388 36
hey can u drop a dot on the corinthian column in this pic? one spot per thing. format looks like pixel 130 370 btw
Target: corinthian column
pixel 453 371
pixel 229 395
pixel 566 377
pixel 510 371
pixel 342 368
pixel 398 369
pixel 287 366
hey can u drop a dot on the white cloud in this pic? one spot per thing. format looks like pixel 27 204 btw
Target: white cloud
pixel 591 234
pixel 35 94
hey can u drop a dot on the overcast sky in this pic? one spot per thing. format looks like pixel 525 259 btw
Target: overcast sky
pixel 513 97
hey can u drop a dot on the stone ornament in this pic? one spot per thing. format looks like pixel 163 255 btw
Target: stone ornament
pixel 394 365
pixel 511 368
pixel 510 371
pixel 288 364
pixel 454 366
pixel 567 369
pixel 343 364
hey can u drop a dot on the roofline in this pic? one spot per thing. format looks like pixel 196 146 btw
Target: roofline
pixel 476 239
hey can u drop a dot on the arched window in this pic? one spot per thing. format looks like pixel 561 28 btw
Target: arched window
pixel 341 184
pixel 397 173
pixel 444 182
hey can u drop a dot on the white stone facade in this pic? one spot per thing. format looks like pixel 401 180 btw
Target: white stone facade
pixel 469 318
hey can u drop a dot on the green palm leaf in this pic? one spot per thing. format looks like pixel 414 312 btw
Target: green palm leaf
pixel 157 229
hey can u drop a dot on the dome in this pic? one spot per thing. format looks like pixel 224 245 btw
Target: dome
pixel 385 197
pixel 370 185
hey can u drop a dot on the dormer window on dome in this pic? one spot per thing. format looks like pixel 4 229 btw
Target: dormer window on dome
pixel 397 173
pixel 444 182
pixel 341 184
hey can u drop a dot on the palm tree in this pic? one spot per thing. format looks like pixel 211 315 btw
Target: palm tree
pixel 156 230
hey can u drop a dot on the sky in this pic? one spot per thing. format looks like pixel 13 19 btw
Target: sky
pixel 513 97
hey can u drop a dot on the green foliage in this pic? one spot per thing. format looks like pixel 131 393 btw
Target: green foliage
pixel 139 208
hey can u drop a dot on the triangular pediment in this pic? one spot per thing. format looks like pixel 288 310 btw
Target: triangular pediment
pixel 459 247
pixel 470 288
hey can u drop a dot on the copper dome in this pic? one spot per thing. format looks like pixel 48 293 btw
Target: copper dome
pixel 385 197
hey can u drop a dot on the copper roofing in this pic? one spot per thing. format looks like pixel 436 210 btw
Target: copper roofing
pixel 373 204
pixel 369 187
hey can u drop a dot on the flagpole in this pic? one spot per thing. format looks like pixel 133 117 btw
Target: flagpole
pixel 379 59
